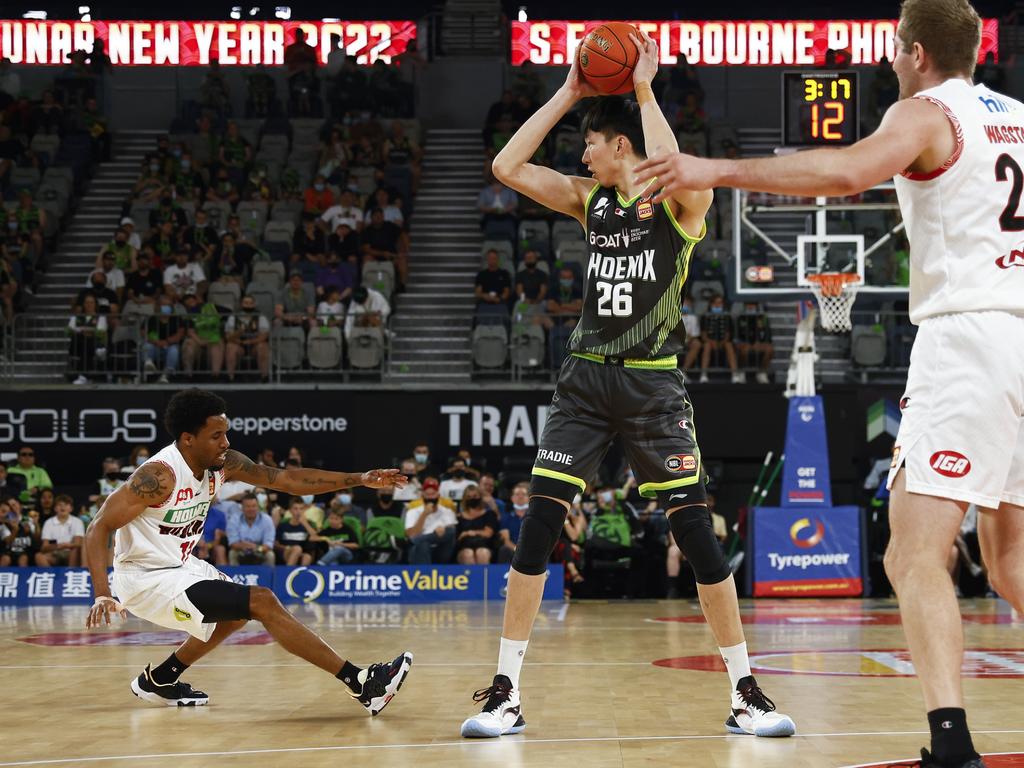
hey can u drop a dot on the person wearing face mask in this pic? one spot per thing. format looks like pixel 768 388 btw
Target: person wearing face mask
pixel 110 480
pixel 247 333
pixel 424 466
pixel 223 189
pixel 456 481
pixel 128 225
pixel 106 300
pixel 386 504
pixel 138 456
pixel 368 309
pixel 114 277
pixel 201 237
pixel 164 333
pixel 184 277
pixel 343 501
pixel 497 203
pixel 412 489
pixel 151 184
pixel 693 336
pixel 511 522
pixel 717 330
pixel 565 302
pixel 143 285
pixel 170 211
pixel 532 282
pixel 430 527
pixel 754 339
pixel 124 252
pixel 318 197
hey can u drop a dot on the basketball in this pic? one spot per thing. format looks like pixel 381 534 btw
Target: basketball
pixel 607 57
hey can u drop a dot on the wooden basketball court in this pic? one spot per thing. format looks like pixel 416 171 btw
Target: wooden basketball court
pixel 593 695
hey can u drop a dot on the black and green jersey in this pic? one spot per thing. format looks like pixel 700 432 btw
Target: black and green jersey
pixel 639 259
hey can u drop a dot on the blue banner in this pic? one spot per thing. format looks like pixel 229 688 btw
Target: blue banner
pixel 380 583
pixel 497 582
pixel 805 475
pixel 797 553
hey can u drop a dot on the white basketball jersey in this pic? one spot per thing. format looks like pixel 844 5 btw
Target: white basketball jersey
pixel 964 221
pixel 163 536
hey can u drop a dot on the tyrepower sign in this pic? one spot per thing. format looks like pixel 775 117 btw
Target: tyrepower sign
pixel 197 43
pixel 737 43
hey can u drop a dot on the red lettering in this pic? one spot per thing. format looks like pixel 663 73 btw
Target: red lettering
pixel 992 134
pixel 184 494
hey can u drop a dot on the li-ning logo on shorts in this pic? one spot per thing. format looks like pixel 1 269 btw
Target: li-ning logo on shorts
pixel 950 463
pixel 681 462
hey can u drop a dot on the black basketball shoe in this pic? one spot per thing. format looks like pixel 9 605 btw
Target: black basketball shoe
pixel 177 694
pixel 381 682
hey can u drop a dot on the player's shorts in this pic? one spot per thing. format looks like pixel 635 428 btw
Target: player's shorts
pixel 962 432
pixel 647 408
pixel 158 595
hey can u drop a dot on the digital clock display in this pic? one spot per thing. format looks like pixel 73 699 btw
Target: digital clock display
pixel 820 109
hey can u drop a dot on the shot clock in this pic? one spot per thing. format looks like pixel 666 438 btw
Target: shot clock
pixel 820 109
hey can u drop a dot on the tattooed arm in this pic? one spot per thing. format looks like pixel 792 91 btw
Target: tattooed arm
pixel 301 482
pixel 149 486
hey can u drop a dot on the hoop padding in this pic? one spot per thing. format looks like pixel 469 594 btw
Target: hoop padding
pixel 835 292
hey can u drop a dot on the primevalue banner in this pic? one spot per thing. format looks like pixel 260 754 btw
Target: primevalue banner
pixel 197 43
pixel 736 43
pixel 797 553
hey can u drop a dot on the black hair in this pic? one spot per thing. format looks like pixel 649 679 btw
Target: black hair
pixel 189 409
pixel 612 116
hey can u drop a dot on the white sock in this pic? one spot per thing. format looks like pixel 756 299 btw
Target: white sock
pixel 736 661
pixel 510 659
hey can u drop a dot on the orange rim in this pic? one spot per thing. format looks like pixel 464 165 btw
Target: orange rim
pixel 833 283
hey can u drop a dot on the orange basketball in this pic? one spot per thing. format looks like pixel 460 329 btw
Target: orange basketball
pixel 607 57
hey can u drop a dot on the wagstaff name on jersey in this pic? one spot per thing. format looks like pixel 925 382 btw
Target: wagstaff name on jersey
pixel 638 267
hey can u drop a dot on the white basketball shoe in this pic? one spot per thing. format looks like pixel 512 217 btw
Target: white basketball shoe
pixel 754 714
pixel 501 714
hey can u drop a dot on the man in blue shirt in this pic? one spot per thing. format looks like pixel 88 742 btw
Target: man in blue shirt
pixel 214 542
pixel 512 522
pixel 251 536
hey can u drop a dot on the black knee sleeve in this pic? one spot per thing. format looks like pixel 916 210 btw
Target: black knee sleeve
pixel 220 600
pixel 542 526
pixel 695 537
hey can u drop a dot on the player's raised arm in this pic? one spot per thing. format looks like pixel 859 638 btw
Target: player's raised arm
pixel 149 486
pixel 301 482
pixel 659 138
pixel 914 134
pixel 512 166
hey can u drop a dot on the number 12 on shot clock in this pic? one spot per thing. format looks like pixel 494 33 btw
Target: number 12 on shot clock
pixel 820 108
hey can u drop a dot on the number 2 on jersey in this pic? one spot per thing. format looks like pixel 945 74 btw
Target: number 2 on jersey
pixel 1009 221
pixel 619 295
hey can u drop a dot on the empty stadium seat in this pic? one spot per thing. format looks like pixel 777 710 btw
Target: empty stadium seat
pixel 225 293
pixel 490 346
pixel 366 347
pixel 270 273
pixel 867 345
pixel 380 275
pixel 289 345
pixel 528 347
pixel 323 347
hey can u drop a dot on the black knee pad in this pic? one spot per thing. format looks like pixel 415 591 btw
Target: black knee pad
pixel 220 600
pixel 541 528
pixel 695 537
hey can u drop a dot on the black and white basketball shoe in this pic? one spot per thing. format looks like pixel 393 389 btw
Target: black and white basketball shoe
pixel 177 694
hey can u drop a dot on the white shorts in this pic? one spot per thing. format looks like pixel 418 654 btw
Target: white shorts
pixel 159 595
pixel 962 432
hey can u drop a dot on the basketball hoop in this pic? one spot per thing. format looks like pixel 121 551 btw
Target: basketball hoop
pixel 835 292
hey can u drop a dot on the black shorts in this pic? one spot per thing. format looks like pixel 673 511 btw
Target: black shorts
pixel 647 409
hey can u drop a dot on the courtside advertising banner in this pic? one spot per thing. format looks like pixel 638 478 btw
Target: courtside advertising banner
pixel 734 43
pixel 497 582
pixel 807 553
pixel 197 43
pixel 805 475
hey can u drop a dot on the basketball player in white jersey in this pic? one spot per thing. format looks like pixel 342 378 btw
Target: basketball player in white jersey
pixel 956 151
pixel 157 518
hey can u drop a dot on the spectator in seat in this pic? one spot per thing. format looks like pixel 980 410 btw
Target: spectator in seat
pixel 532 284
pixel 115 279
pixel 474 533
pixel 390 205
pixel 411 491
pixel 456 481
pixel 62 537
pixel 511 522
pixel 300 59
pixel 45 504
pixel 262 92
pixel 128 225
pixel 225 188
pixel 188 183
pixel 9 278
pixel 340 538
pixel 294 536
pixel 88 331
pixel 297 303
pixel 493 289
pixel 35 477
pixel 251 535
pixel 318 197
pixel 385 505
pixel 213 547
pixel 165 331
pixel 344 211
pixel 248 334
pixel 496 203
pixel 184 277
pixel 168 211
pixel 345 244
pixel 235 154
pixel 10 485
pixel 717 334
pixel 331 311
pixel 342 501
pixel 368 309
pixel 124 252
pixel 335 274
pixel 163 243
pixel 230 261
pixel 430 528
pixel 399 149
pixel 424 466
pixel 213 91
pixel 754 337
pixel 384 241
pixel 22 540
pixel 309 241
pixel 145 283
pixel 201 238
pixel 107 302
pixel 565 302
pixel 204 335
pixel 493 503
pixel 151 185
pixel 693 336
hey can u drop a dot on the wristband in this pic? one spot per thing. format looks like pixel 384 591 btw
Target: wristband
pixel 643 91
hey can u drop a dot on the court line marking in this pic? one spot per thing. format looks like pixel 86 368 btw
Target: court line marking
pixel 900 760
pixel 461 743
pixel 418 664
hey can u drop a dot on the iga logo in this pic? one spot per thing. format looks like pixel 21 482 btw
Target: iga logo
pixel 1015 258
pixel 950 463
pixel 681 462
pixel 814 539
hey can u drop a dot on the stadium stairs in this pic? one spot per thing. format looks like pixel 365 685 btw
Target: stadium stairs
pixel 472 28
pixel 40 354
pixel 434 317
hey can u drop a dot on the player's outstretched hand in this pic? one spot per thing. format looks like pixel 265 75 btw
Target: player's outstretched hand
pixel 668 174
pixel 100 612
pixel 384 478
pixel 647 59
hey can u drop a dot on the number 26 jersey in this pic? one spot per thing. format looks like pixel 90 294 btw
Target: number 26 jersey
pixel 639 257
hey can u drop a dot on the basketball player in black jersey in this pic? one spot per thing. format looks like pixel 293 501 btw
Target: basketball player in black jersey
pixel 620 379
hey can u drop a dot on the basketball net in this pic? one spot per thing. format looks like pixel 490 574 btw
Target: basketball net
pixel 835 292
